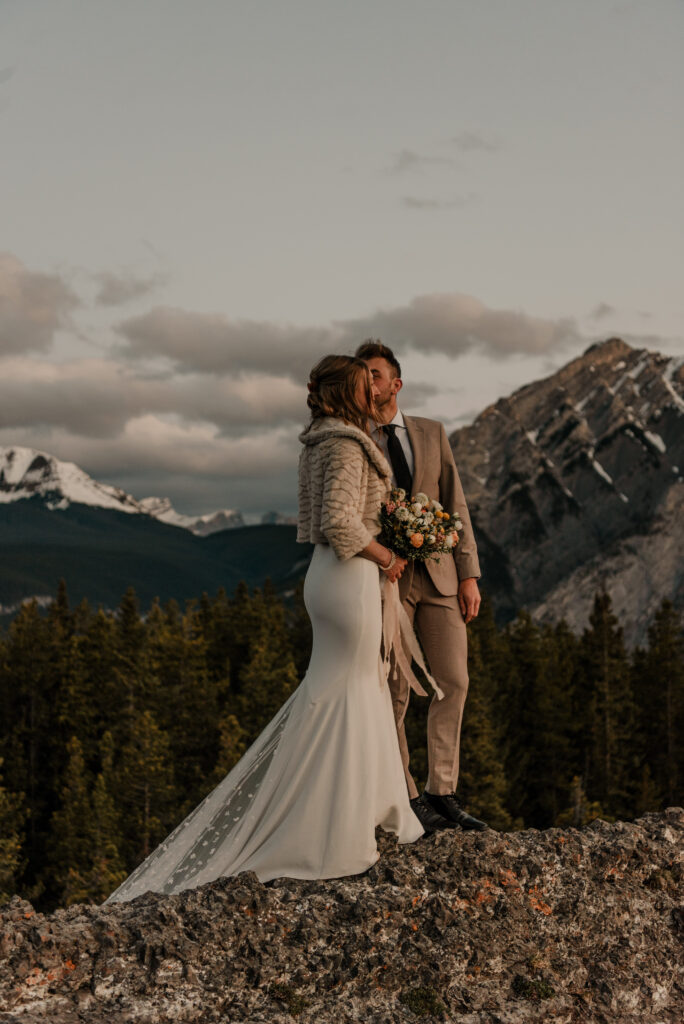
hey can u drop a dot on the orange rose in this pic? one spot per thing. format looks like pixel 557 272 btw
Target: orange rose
pixel 417 540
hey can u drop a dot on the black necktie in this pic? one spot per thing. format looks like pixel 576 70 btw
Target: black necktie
pixel 402 473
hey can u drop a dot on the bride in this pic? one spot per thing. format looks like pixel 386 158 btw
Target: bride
pixel 305 799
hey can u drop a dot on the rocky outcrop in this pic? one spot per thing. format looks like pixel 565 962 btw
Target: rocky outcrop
pixel 564 926
pixel 576 483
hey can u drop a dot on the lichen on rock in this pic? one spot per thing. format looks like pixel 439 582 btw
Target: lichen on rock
pixel 575 925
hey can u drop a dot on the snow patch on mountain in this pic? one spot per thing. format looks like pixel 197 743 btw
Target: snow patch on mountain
pixel 28 473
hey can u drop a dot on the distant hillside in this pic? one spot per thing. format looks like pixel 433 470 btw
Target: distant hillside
pixel 576 482
pixel 100 552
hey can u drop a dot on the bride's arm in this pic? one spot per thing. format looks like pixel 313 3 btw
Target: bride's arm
pixel 382 556
pixel 341 520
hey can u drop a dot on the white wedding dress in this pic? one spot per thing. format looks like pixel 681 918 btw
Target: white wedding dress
pixel 304 800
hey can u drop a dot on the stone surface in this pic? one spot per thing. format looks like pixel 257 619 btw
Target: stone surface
pixel 562 925
pixel 576 482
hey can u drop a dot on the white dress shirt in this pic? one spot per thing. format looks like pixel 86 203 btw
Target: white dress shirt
pixel 401 433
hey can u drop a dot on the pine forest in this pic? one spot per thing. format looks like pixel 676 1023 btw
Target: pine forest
pixel 114 725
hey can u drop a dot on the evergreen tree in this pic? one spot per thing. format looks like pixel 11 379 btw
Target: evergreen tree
pixel 29 684
pixel 146 788
pixel 189 701
pixel 533 700
pixel 580 811
pixel 659 688
pixel 605 713
pixel 107 869
pixel 132 670
pixel 482 784
pixel 71 822
pixel 59 613
pixel 267 680
pixel 231 747
pixel 649 798
pixel 216 620
pixel 12 817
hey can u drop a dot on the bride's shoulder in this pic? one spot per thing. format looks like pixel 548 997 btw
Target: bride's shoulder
pixel 333 437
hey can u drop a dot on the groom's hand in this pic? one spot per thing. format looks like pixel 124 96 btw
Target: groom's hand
pixel 469 598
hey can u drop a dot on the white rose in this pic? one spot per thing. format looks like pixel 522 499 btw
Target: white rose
pixel 449 540
pixel 428 517
pixel 436 507
pixel 401 514
pixel 417 508
pixel 431 538
pixel 400 493
pixel 421 499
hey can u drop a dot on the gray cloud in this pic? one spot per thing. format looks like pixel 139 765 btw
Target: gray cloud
pixel 197 469
pixel 469 142
pixel 32 307
pixel 453 324
pixel 212 343
pixel 601 311
pixel 98 398
pixel 450 323
pixel 416 393
pixel 417 203
pixel 117 289
pixel 409 160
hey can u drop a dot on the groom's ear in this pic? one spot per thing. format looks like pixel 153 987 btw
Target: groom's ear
pixel 398 385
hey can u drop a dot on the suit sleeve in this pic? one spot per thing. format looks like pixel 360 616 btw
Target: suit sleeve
pixel 453 499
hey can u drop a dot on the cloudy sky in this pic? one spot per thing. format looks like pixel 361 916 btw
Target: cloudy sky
pixel 200 199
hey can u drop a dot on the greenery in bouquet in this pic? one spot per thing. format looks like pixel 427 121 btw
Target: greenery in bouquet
pixel 418 528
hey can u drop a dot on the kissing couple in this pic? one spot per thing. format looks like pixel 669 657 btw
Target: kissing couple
pixel 333 764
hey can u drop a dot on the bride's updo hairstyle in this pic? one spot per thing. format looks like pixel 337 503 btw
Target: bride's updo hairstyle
pixel 333 385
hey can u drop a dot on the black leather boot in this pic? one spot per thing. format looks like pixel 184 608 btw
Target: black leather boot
pixel 430 819
pixel 448 807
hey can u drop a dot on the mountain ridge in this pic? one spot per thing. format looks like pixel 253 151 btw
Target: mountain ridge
pixel 29 472
pixel 567 472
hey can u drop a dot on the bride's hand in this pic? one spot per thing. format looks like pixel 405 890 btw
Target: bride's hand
pixel 396 570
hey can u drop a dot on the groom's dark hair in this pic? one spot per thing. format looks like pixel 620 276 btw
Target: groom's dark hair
pixel 374 349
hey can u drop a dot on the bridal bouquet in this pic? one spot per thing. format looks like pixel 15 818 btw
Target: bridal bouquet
pixel 418 528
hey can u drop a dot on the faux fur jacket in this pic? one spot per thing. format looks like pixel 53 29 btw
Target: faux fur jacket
pixel 343 480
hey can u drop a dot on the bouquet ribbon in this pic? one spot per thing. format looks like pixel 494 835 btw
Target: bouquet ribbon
pixel 399 642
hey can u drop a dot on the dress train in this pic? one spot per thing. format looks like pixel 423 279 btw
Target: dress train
pixel 304 800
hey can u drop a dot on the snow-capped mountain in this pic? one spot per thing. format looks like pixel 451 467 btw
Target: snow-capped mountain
pixel 27 473
pixel 576 482
pixel 161 508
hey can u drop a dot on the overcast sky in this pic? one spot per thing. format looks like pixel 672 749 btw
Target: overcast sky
pixel 201 199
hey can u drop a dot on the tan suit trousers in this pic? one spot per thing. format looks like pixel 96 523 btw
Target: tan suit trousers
pixel 440 628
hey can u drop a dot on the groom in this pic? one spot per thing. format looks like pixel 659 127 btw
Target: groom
pixel 438 597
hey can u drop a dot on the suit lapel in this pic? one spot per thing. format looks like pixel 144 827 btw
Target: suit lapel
pixel 416 436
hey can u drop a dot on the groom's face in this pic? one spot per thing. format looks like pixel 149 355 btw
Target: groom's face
pixel 386 382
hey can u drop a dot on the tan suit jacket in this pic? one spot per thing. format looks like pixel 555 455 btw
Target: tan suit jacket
pixel 435 474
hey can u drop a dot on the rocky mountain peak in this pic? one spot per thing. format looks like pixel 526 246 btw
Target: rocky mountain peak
pixel 27 472
pixel 562 471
